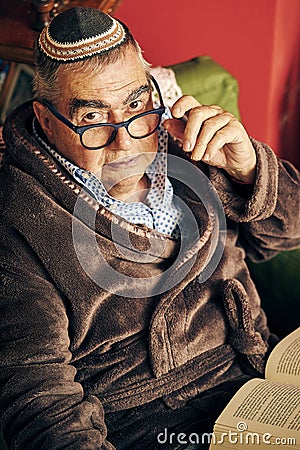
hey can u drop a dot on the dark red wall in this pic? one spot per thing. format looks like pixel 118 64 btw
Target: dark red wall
pixel 258 41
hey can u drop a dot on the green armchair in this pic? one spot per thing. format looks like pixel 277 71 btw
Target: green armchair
pixel 278 283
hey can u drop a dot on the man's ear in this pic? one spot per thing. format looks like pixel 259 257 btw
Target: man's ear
pixel 42 114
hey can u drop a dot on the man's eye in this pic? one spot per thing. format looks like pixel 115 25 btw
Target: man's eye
pixel 93 117
pixel 137 105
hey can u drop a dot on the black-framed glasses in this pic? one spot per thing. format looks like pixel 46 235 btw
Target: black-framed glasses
pixel 139 126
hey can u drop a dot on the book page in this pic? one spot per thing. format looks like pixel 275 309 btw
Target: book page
pixel 283 364
pixel 264 406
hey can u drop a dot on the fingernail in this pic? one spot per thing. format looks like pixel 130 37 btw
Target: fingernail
pixel 206 157
pixel 186 146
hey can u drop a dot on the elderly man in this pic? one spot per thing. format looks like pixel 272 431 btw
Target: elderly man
pixel 124 313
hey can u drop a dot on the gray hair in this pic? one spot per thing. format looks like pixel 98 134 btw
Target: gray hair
pixel 47 71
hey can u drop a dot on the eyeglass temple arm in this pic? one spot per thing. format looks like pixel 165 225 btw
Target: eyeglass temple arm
pixel 158 90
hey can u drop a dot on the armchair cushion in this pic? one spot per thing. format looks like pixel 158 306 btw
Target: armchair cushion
pixel 208 82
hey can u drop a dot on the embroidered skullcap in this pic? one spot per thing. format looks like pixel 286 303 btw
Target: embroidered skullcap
pixel 79 33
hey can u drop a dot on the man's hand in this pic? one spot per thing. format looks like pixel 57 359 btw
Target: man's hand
pixel 213 135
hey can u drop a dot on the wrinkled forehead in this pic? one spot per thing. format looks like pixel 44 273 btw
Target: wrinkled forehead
pixel 111 83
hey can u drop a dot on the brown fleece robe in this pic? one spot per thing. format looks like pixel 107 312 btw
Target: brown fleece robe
pixel 72 350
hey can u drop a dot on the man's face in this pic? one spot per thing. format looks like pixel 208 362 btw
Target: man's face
pixel 113 94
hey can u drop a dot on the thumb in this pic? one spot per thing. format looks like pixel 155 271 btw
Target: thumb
pixel 175 127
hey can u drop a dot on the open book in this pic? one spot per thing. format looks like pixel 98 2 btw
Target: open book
pixel 265 414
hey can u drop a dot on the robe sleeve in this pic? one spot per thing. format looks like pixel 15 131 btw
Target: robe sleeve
pixel 41 404
pixel 268 214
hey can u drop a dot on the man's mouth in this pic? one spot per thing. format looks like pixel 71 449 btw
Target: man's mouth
pixel 123 163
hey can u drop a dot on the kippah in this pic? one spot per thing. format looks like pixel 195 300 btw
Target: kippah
pixel 79 33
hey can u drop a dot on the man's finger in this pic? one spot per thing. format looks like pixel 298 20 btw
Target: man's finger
pixel 209 128
pixel 196 120
pixel 183 105
pixel 176 128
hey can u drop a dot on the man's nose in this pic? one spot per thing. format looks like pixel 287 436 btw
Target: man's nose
pixel 122 140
